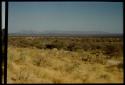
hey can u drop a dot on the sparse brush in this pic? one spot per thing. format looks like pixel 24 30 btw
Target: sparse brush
pixel 113 50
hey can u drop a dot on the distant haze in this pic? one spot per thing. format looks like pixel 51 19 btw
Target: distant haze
pixel 65 16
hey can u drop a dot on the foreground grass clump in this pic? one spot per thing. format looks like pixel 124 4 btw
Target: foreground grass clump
pixel 34 65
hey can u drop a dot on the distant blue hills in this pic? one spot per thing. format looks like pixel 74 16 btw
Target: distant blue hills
pixel 65 33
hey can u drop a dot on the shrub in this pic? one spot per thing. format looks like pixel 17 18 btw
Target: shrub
pixel 112 50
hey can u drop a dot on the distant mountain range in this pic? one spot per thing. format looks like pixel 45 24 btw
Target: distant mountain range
pixel 65 33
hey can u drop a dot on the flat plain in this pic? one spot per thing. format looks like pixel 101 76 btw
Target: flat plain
pixel 42 59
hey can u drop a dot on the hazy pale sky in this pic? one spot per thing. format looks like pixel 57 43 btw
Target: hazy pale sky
pixel 66 16
pixel 3 14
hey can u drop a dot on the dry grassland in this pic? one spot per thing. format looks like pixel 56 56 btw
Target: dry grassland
pixel 51 63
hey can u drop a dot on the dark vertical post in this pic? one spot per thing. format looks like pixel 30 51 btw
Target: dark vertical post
pixel 1 43
pixel 5 42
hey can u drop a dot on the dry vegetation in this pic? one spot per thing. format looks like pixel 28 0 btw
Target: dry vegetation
pixel 65 60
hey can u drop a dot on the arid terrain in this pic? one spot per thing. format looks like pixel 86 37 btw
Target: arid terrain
pixel 65 59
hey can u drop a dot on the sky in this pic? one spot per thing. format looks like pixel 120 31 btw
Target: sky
pixel 3 14
pixel 65 16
